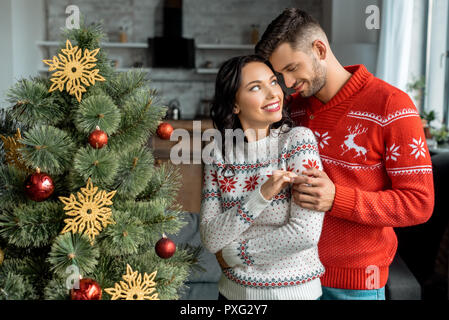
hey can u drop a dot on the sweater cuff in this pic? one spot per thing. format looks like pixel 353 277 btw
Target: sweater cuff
pixel 256 203
pixel 344 202
pixel 230 254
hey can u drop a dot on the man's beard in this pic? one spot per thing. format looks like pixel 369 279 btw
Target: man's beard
pixel 318 81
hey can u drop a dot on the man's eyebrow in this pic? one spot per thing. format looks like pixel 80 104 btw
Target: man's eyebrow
pixel 288 66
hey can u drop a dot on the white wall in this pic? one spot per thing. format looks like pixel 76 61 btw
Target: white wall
pixel 437 67
pixel 22 23
pixel 6 69
pixel 28 26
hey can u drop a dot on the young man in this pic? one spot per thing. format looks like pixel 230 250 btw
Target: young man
pixel 377 168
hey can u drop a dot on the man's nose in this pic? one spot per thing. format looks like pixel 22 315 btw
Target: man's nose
pixel 289 81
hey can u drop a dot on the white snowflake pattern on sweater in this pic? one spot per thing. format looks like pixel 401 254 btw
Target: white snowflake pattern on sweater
pixel 271 246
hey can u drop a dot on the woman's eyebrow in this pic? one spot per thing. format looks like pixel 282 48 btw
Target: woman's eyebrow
pixel 258 81
pixel 255 81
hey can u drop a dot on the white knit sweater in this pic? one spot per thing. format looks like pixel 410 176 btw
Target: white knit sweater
pixel 271 246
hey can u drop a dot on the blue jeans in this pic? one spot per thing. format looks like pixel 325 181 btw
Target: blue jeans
pixel 345 294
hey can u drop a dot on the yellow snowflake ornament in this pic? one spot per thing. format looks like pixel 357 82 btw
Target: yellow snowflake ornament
pixel 12 155
pixel 90 212
pixel 74 70
pixel 134 288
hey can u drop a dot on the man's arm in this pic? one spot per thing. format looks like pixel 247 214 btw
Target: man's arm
pixel 410 200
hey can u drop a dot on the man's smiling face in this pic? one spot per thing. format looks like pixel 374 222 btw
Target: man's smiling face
pixel 302 72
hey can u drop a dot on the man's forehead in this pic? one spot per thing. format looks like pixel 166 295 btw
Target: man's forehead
pixel 284 56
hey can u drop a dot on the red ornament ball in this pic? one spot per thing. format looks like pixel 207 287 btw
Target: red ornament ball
pixel 98 138
pixel 164 131
pixel 165 247
pixel 39 186
pixel 89 289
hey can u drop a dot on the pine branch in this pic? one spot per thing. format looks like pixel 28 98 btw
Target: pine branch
pixel 171 222
pixel 48 148
pixel 171 273
pixel 33 267
pixel 32 104
pixel 90 37
pixel 16 287
pixel 124 237
pixel 164 183
pixel 56 289
pixel 157 217
pixel 100 165
pixel 11 184
pixel 8 124
pixel 134 170
pixel 31 224
pixel 137 228
pixel 87 36
pixel 108 271
pixel 139 121
pixel 124 84
pixel 74 182
pixel 73 249
pixel 97 110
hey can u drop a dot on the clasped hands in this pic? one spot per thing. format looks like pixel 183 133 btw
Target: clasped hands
pixel 313 190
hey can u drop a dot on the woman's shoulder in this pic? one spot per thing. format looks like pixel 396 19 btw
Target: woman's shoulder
pixel 299 134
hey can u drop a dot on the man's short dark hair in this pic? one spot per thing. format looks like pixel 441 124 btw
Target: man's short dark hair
pixel 293 26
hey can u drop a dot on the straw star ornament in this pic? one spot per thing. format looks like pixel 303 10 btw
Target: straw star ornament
pixel 11 146
pixel 134 288
pixel 74 70
pixel 90 212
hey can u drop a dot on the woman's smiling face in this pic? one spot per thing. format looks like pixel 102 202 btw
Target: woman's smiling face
pixel 259 100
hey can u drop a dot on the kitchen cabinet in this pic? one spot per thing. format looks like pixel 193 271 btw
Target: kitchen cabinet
pixel 189 195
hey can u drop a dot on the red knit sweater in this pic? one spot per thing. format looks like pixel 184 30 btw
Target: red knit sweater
pixel 373 148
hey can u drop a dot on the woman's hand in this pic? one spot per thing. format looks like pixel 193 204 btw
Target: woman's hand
pixel 278 181
pixel 221 261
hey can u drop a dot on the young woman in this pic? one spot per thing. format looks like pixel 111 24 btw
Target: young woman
pixel 268 244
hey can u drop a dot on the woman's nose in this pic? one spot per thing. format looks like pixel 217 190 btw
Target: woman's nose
pixel 271 93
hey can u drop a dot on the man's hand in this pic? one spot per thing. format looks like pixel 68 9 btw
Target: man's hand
pixel 314 190
pixel 221 261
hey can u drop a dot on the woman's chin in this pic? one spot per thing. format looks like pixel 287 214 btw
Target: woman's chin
pixel 276 117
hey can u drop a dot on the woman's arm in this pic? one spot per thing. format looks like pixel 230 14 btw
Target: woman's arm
pixel 220 227
pixel 302 231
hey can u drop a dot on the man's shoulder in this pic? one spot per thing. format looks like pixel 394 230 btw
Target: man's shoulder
pixel 381 88
pixel 393 98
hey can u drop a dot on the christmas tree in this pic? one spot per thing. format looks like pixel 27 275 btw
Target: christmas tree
pixel 82 205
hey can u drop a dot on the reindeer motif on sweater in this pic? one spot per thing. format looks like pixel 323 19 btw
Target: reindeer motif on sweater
pixel 349 143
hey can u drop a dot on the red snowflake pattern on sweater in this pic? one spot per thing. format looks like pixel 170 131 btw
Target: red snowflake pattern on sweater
pixel 227 184
pixel 311 164
pixel 251 183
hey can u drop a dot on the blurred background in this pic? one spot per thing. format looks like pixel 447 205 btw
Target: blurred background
pixel 402 43
pixel 181 44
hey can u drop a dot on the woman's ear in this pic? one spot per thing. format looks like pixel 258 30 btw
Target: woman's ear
pixel 236 109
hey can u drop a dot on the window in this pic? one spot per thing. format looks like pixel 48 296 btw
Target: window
pixel 437 66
